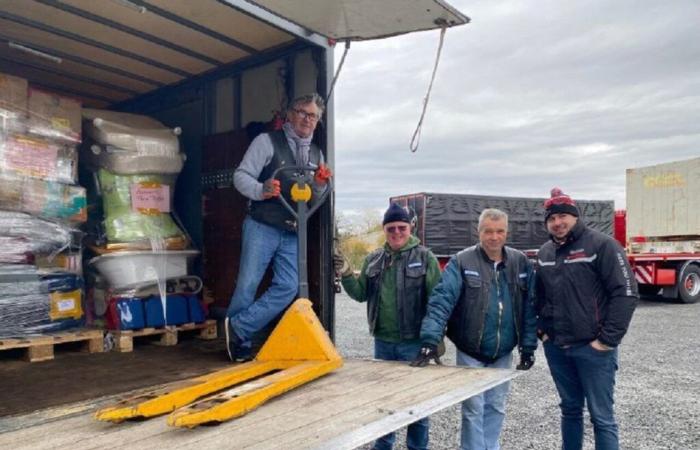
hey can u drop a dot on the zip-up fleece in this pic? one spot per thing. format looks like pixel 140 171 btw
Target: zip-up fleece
pixel 396 286
pixel 469 289
pixel 585 289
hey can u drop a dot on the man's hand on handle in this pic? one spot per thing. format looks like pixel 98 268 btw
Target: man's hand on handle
pixel 323 173
pixel 271 188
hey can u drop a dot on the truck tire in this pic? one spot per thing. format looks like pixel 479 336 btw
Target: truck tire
pixel 689 284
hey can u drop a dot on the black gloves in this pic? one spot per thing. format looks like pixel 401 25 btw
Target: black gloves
pixel 425 354
pixel 527 360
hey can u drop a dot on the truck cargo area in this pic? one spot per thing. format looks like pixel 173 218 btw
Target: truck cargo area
pixel 347 408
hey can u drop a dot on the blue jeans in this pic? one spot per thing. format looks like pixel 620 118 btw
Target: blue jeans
pixel 261 244
pixel 483 414
pixel 584 373
pixel 417 434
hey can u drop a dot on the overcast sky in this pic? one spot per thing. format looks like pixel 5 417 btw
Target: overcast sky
pixel 529 95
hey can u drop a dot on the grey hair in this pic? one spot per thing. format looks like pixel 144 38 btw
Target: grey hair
pixel 306 99
pixel 492 214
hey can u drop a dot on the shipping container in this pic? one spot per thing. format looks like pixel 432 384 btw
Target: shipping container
pixel 663 228
pixel 663 200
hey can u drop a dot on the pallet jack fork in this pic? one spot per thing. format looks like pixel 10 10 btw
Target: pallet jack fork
pixel 297 351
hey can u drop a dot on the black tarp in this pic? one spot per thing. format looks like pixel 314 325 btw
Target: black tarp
pixel 447 223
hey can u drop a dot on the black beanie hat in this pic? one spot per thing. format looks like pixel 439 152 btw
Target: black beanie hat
pixel 396 213
pixel 559 203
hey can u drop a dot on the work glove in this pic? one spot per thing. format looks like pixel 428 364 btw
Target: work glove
pixel 527 360
pixel 271 188
pixel 425 354
pixel 323 173
pixel 341 264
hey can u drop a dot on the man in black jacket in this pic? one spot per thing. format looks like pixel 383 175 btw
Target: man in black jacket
pixel 586 294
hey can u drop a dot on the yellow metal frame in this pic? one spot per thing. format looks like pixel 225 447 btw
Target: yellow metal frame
pixel 297 351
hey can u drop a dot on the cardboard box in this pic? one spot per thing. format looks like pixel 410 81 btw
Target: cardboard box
pixel 13 103
pixel 54 116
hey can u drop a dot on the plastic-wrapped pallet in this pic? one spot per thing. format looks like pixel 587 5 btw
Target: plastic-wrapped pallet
pixel 34 303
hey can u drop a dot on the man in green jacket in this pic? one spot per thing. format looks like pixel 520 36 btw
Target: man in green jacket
pixel 395 281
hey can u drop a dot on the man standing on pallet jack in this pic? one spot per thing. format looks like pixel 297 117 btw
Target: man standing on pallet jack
pixel 395 281
pixel 269 230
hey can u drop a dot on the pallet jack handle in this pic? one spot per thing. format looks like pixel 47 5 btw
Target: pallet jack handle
pixel 301 193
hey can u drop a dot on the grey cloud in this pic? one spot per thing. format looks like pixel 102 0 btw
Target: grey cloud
pixel 528 96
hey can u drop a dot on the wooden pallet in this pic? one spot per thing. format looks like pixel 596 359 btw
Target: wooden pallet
pixel 124 340
pixel 41 348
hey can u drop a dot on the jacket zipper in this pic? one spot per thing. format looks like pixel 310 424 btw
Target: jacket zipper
pixel 500 313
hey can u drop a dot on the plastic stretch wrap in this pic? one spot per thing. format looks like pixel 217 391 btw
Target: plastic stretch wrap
pixel 140 135
pixel 22 237
pixel 25 155
pixel 54 116
pixel 13 103
pixel 44 198
pixel 33 303
pixel 137 207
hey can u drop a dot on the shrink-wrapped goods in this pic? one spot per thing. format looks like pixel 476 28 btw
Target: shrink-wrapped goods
pixel 43 198
pixel 54 116
pixel 13 103
pixel 24 238
pixel 137 207
pixel 130 144
pixel 34 303
pixel 38 157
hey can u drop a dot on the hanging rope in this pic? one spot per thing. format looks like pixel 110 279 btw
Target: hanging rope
pixel 337 73
pixel 415 140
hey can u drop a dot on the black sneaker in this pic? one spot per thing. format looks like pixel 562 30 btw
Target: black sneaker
pixel 236 352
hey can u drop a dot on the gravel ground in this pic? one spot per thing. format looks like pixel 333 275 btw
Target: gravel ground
pixel 657 394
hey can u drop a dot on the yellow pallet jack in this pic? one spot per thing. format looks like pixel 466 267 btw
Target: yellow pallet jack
pixel 297 351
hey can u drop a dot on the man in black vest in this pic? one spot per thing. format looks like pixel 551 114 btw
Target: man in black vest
pixel 485 299
pixel 269 230
pixel 395 281
pixel 586 295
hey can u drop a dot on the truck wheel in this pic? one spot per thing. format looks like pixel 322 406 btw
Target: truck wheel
pixel 689 284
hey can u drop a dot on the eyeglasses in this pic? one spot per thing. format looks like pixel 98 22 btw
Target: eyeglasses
pixel 307 115
pixel 397 229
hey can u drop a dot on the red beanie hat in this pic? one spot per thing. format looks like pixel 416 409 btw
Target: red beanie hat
pixel 559 203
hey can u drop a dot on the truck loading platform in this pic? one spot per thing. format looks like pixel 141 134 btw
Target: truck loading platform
pixel 352 406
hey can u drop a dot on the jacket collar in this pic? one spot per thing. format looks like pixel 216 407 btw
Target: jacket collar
pixel 482 253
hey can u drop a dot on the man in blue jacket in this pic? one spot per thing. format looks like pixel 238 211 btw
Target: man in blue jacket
pixel 586 295
pixel 485 300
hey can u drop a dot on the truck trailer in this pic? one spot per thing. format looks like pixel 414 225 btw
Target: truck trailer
pixel 447 223
pixel 214 69
pixel 663 228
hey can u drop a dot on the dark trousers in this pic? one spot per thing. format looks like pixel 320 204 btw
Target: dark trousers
pixel 583 374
